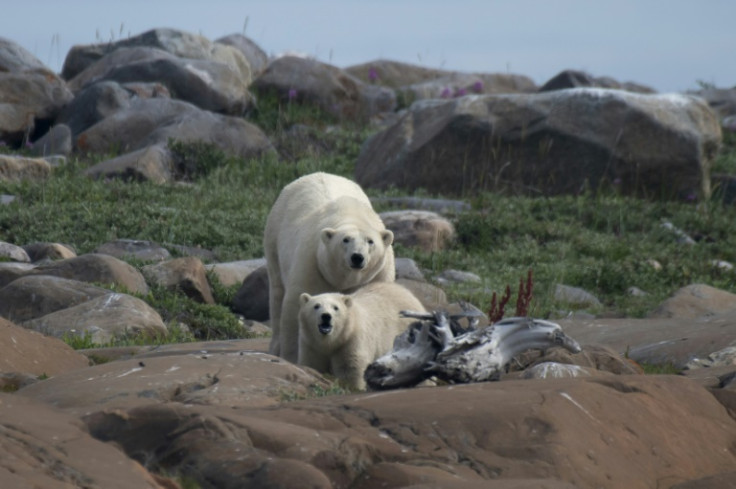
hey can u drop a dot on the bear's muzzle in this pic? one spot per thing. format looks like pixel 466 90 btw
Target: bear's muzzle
pixel 325 325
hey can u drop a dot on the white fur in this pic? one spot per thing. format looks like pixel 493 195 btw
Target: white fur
pixel 317 224
pixel 363 327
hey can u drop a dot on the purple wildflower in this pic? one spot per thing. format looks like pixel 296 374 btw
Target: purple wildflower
pixel 478 87
pixel 445 93
pixel 460 92
pixel 292 94
pixel 372 75
pixel 29 144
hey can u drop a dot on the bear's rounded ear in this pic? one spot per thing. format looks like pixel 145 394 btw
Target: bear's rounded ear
pixel 347 300
pixel 304 298
pixel 327 234
pixel 387 236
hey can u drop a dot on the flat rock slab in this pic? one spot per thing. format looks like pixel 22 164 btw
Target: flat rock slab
pixel 233 379
pixel 657 340
pixel 609 432
pixel 43 448
pixel 32 353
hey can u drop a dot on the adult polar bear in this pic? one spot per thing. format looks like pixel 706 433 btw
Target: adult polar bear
pixel 322 235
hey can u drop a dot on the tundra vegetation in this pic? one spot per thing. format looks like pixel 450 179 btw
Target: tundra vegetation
pixel 605 243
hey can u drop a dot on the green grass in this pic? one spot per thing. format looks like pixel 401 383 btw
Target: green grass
pixel 603 243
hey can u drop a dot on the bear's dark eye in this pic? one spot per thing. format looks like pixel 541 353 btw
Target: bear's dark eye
pixel 370 242
pixel 346 240
pixel 316 306
pixel 334 307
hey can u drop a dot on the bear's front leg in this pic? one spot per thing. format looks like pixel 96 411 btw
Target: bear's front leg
pixel 289 327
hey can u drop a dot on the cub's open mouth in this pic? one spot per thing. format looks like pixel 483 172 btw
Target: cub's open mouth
pixel 325 328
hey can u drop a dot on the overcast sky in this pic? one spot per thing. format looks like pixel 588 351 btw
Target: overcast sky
pixel 669 45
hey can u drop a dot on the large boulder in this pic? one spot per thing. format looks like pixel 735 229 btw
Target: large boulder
pixel 257 57
pixel 210 85
pixel 147 122
pixel 96 268
pixel 178 43
pixel 308 81
pixel 457 84
pixel 561 142
pixel 17 168
pixel 102 319
pixel 696 300
pixel 186 275
pixel 578 79
pixel 34 296
pixel 92 104
pixel 30 94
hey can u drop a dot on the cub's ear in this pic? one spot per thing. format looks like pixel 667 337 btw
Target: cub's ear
pixel 387 236
pixel 304 298
pixel 328 234
pixel 348 301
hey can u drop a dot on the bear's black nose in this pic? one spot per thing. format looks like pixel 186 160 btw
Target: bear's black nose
pixel 356 259
pixel 326 318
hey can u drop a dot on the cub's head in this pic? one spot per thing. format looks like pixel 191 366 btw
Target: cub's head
pixel 356 250
pixel 324 317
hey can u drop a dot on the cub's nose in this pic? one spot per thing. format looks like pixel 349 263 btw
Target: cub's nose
pixel 356 260
pixel 326 318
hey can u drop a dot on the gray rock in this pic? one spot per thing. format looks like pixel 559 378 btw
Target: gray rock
pixel 251 299
pixel 456 84
pixel 257 57
pixel 425 230
pixel 33 296
pixel 694 301
pixel 408 269
pixel 431 296
pixel 18 168
pixel 58 141
pixel 186 275
pixel 553 370
pixel 208 84
pixel 16 58
pixel 231 273
pixel 92 104
pixel 178 43
pixel 575 296
pixel 560 142
pixel 49 251
pixel 26 98
pixel 458 276
pixel 146 122
pixel 96 268
pixel 103 319
pixel 134 248
pixel 153 164
pixel 578 79
pixel 10 271
pixel 441 206
pixel 324 86
pixel 13 252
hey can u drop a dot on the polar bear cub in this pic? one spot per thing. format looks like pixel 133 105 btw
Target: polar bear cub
pixel 322 235
pixel 342 334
